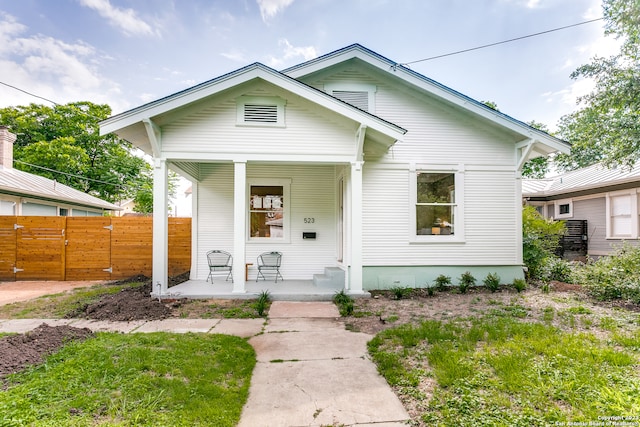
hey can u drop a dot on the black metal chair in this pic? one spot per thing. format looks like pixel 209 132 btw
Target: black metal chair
pixel 220 264
pixel 269 263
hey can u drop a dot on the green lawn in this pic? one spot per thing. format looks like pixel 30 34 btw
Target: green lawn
pixel 157 379
pixel 498 370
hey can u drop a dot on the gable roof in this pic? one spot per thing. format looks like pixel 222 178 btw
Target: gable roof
pixel 592 179
pixel 548 143
pixel 24 184
pixel 134 118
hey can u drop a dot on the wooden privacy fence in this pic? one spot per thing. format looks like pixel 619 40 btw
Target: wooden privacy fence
pixel 86 248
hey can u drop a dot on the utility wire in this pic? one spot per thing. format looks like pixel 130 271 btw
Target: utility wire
pixel 76 176
pixel 501 42
pixel 29 93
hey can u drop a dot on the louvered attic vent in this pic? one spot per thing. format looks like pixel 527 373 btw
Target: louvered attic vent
pixel 356 98
pixel 260 111
pixel 255 113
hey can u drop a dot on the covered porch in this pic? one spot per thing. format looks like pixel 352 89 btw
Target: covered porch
pixel 287 290
pixel 276 166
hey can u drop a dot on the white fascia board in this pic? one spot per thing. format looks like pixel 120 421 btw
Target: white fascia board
pixel 432 87
pixel 318 97
pixel 177 100
pixel 217 157
pixel 229 81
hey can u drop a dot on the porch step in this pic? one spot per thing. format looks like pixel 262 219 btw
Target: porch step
pixel 333 277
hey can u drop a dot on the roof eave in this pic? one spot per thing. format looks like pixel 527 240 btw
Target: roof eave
pixel 255 71
pixel 552 143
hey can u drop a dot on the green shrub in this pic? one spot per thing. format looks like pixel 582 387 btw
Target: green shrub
pixel 400 292
pixel 262 303
pixel 554 268
pixel 540 239
pixel 612 277
pixel 520 285
pixel 442 282
pixel 344 302
pixel 466 280
pixel 492 281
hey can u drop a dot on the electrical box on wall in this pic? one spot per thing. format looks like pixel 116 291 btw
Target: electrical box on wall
pixel 308 234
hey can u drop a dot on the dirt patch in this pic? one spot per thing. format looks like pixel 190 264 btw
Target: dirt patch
pixel 20 351
pixel 565 306
pixel 131 303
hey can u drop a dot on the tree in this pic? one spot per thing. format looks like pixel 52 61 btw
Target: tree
pixel 607 127
pixel 540 239
pixel 66 139
pixel 537 167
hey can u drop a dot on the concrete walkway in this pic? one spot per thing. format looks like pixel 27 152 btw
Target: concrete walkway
pixel 310 370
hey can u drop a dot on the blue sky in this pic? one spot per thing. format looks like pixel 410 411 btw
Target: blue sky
pixel 128 52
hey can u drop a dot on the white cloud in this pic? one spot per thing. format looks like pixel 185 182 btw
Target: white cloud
pixel 270 8
pixel 49 68
pixel 125 19
pixel 291 52
pixel 234 56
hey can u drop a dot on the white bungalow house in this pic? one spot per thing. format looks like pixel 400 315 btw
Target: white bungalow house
pixel 26 194
pixel 348 161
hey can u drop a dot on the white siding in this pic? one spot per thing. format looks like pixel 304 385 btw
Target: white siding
pixel 313 191
pixel 435 131
pixel 437 135
pixel 212 129
pixel 490 222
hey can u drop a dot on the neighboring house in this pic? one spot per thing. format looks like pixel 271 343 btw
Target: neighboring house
pixel 127 207
pixel 367 165
pixel 26 194
pixel 607 199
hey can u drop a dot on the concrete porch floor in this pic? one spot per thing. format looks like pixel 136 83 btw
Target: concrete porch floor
pixel 285 290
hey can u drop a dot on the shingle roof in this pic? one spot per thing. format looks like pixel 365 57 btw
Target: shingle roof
pixel 13 181
pixel 591 177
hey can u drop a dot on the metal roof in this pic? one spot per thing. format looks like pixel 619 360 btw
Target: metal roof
pixel 24 184
pixel 589 178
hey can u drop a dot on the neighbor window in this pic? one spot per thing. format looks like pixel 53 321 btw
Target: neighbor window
pixel 622 209
pixel 435 204
pixel 268 210
pixel 563 209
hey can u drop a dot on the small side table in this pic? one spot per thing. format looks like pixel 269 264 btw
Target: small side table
pixel 246 271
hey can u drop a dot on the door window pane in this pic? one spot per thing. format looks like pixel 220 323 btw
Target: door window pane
pixel 267 211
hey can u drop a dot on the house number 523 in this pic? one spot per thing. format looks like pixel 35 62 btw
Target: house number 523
pixel 309 220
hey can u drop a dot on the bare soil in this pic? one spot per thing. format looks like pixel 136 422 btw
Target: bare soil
pixel 565 301
pixel 371 315
pixel 20 351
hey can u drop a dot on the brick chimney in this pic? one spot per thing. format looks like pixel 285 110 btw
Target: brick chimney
pixel 6 147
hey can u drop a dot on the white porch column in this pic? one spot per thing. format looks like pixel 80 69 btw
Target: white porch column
pixel 355 276
pixel 239 225
pixel 160 270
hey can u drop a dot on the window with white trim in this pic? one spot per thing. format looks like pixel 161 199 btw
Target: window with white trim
pixel 269 210
pixel 260 111
pixel 436 214
pixel 563 209
pixel 359 95
pixel 622 215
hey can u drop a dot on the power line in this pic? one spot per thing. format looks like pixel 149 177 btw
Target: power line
pixel 29 93
pixel 501 42
pixel 76 176
pixel 402 63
